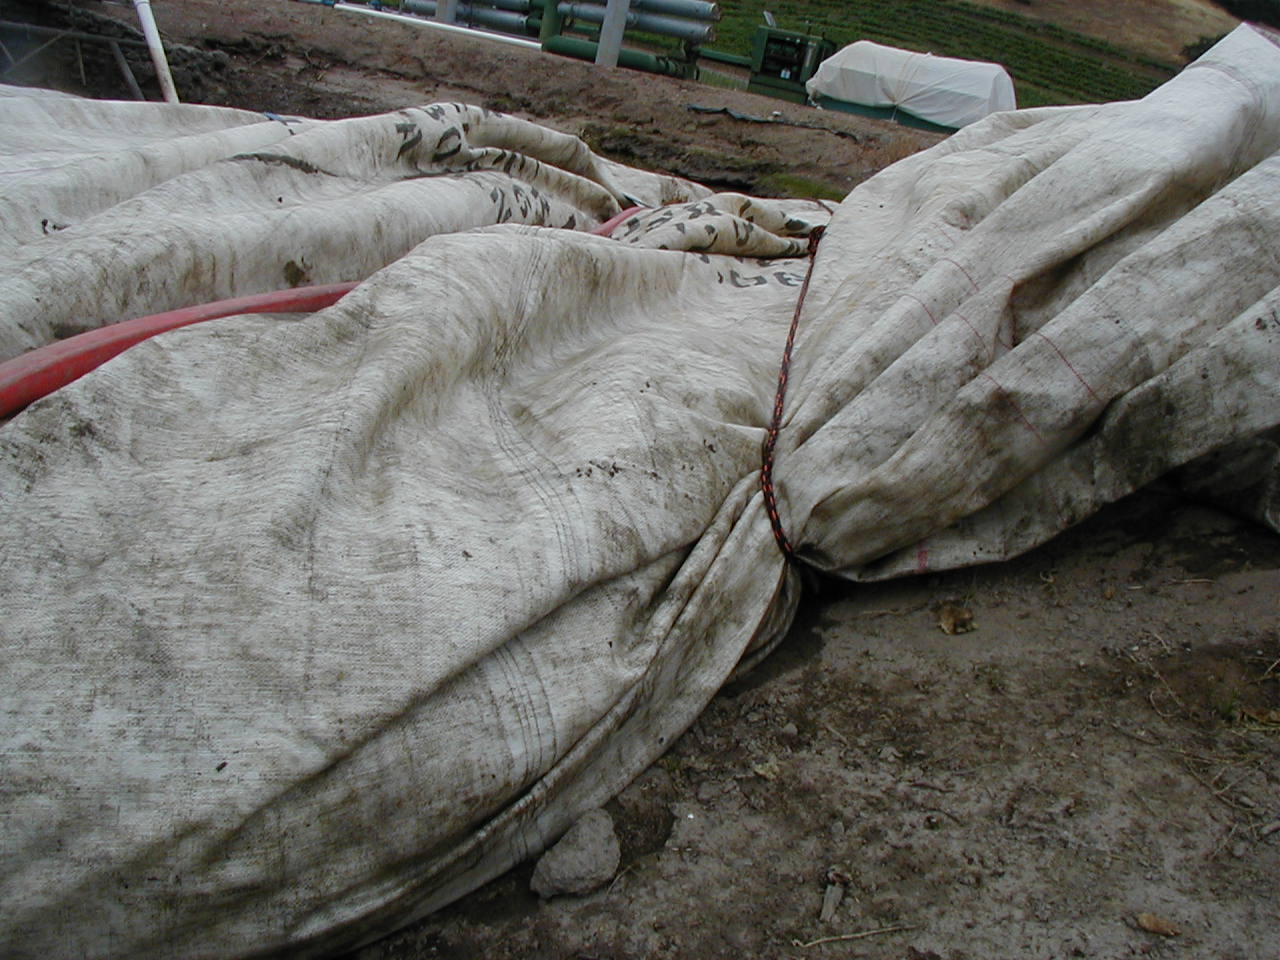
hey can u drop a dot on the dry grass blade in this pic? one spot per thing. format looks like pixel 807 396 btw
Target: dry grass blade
pixel 863 935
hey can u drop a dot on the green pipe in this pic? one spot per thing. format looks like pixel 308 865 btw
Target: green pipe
pixel 633 59
pixel 552 23
pixel 723 56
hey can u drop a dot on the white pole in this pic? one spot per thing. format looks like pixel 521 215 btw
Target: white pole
pixel 615 22
pixel 157 49
pixel 447 11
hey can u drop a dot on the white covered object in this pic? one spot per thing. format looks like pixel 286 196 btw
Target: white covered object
pixel 942 90
pixel 309 626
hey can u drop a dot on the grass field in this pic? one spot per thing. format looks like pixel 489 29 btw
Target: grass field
pixel 1049 63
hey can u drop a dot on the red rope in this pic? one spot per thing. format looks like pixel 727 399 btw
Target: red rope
pixel 779 400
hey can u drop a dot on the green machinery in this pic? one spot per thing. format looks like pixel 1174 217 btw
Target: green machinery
pixel 782 60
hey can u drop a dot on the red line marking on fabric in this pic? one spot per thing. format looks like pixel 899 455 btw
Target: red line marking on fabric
pixel 1070 367
pixel 962 270
pixel 932 319
pixel 922 556
pixel 1016 409
pixel 991 354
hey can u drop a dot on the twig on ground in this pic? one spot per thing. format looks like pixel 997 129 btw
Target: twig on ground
pixel 890 612
pixel 834 732
pixel 617 879
pixel 1133 736
pixel 851 936
pixel 926 785
pixel 1217 794
pixel 1151 699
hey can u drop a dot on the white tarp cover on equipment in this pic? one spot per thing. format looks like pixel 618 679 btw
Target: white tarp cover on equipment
pixel 942 90
pixel 312 624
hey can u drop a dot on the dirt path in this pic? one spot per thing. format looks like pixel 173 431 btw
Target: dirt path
pixel 1093 766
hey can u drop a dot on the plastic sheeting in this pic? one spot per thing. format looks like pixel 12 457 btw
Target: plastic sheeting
pixel 942 90
pixel 311 625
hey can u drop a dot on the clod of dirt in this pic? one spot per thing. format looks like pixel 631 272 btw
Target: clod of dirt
pixel 1155 924
pixel 585 859
pixel 953 619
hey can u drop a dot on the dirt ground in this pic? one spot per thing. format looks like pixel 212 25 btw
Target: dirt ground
pixel 1099 747
pixel 294 58
pixel 1091 770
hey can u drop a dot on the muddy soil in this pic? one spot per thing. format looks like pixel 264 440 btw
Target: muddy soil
pixel 1088 767
pixel 294 58
pixel 1099 752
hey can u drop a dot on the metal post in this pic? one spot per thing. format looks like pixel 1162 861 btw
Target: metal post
pixel 447 11
pixel 129 78
pixel 552 24
pixel 615 22
pixel 154 44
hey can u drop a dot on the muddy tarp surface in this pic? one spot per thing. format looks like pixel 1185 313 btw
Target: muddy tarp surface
pixel 313 623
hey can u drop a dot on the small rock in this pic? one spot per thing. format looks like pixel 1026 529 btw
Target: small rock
pixel 708 790
pixel 767 768
pixel 830 902
pixel 585 859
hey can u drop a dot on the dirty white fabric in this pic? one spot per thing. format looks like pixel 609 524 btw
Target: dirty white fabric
pixel 117 210
pixel 942 90
pixel 311 626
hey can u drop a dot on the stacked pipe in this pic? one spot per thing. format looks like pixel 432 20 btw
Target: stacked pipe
pixel 687 20
pixel 519 17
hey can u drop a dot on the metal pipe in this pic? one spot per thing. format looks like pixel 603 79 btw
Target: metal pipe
pixel 57 33
pixel 632 59
pixel 130 80
pixel 722 56
pixel 157 50
pixel 615 22
pixel 447 11
pixel 691 30
pixel 468 14
pixel 505 21
pixel 689 9
pixel 552 22
pixel 519 6
pixel 437 25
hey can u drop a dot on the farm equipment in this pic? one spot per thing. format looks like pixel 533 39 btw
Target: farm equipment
pixel 782 61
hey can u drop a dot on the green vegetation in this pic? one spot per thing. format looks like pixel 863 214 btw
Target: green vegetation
pixel 716 79
pixel 789 185
pixel 1049 64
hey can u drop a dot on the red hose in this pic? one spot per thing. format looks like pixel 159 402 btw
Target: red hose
pixel 611 224
pixel 39 372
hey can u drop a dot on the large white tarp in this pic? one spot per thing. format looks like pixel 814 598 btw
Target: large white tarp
pixel 312 624
pixel 942 90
